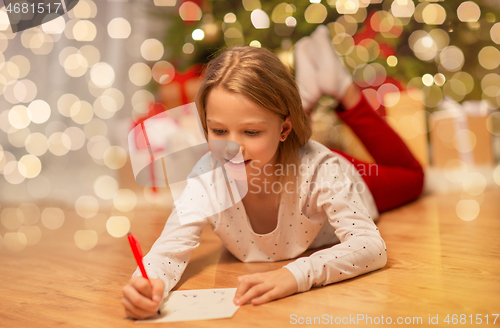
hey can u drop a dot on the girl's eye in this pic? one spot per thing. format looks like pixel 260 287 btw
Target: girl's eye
pixel 220 132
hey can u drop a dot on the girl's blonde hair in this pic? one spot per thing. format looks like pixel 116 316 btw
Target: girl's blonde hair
pixel 259 75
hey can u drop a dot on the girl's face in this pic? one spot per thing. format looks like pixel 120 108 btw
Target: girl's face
pixel 258 131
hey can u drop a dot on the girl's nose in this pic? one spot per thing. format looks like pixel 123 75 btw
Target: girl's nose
pixel 232 148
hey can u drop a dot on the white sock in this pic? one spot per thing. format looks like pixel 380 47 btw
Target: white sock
pixel 306 74
pixel 333 77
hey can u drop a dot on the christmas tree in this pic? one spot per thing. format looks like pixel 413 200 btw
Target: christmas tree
pixel 446 49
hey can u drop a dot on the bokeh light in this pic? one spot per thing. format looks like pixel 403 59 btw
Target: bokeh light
pixel 54 26
pixel 452 58
pixel 434 14
pixel 467 210
pixel 12 218
pixel 85 239
pixel 229 18
pixel 163 72
pixel 140 74
pixel 52 218
pixel 96 148
pixel 388 94
pixel 31 166
pixel 76 137
pixel 190 11
pixel 392 61
pixel 17 138
pixel 124 200
pixel 84 9
pixel 344 7
pixel 140 101
pixel 118 226
pixel 19 117
pixel 468 11
pixel 474 183
pixel 33 234
pixel 81 112
pixel 496 175
pixel 105 107
pixel 12 173
pixel 255 43
pixel 31 213
pixel 198 34
pixel 251 5
pixel 102 75
pixel 152 49
pixel 105 187
pixel 86 206
pixel 423 45
pixel 59 144
pixel 495 33
pixel 84 30
pixel 188 48
pixel 489 57
pixel 427 80
pixel 439 79
pixel 403 8
pixel 115 157
pixel 119 28
pixel 464 141
pixel 39 111
pixel 15 241
pixel 259 19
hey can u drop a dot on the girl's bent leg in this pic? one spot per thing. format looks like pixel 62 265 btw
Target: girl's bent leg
pixel 380 140
pixel 391 186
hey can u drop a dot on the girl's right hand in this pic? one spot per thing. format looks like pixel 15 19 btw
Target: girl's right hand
pixel 141 299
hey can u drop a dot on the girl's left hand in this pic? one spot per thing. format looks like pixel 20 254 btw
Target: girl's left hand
pixel 263 287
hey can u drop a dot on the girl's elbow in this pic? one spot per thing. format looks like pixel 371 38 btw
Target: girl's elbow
pixel 381 255
pixel 383 260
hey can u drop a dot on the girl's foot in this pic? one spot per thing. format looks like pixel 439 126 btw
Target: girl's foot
pixel 306 73
pixel 333 77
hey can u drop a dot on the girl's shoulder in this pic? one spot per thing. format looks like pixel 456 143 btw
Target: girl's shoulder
pixel 314 150
pixel 203 165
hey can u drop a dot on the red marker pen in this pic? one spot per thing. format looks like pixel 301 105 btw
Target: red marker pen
pixel 136 249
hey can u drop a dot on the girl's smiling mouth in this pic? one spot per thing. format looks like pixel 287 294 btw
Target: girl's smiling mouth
pixel 236 164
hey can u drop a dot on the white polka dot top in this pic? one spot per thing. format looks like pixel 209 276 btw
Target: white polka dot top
pixel 333 206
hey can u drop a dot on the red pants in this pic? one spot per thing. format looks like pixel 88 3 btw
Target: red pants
pixel 397 178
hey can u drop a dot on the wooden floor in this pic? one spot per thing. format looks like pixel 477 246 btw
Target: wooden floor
pixel 438 265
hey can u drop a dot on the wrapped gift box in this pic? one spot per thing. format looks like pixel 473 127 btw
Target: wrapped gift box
pixel 460 132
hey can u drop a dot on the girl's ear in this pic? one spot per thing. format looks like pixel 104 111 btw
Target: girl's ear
pixel 286 126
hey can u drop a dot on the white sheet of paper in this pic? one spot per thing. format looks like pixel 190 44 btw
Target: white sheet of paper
pixel 198 304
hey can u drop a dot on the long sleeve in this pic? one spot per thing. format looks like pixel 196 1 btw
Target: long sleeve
pixel 361 248
pixel 171 252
